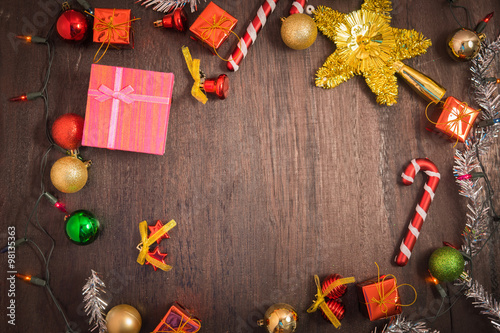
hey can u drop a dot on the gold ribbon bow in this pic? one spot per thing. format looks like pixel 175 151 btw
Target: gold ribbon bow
pixel 111 28
pixel 383 297
pixel 194 68
pixel 320 298
pixel 455 123
pixel 180 328
pixel 216 25
pixel 147 242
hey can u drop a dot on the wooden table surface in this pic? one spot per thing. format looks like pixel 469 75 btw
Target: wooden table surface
pixel 280 181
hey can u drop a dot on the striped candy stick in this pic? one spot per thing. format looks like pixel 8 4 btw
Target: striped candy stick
pixel 415 225
pixel 250 36
pixel 298 7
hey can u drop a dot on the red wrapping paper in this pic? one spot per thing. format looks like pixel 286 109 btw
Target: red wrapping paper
pixel 179 320
pixel 369 295
pixel 121 35
pixel 455 119
pixel 213 26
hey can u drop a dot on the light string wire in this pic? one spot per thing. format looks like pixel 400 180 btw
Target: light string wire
pixel 43 165
pixel 468 20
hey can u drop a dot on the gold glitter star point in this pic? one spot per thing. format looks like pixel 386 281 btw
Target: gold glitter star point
pixel 366 45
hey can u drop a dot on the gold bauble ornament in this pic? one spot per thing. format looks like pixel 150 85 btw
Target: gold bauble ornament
pixel 69 174
pixel 299 31
pixel 123 318
pixel 463 44
pixel 280 317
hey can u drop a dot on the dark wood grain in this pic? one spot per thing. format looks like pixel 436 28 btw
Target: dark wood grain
pixel 277 183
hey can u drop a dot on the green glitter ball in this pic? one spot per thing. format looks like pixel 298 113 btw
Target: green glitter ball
pixel 446 264
pixel 82 227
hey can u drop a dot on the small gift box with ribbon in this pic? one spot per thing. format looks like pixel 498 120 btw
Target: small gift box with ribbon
pixel 112 27
pixel 454 118
pixel 127 109
pixel 213 26
pixel 379 298
pixel 178 320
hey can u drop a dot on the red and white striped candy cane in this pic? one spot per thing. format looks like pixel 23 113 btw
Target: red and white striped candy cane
pixel 415 225
pixel 250 36
pixel 298 7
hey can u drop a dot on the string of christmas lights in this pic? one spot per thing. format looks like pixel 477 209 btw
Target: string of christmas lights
pixel 43 94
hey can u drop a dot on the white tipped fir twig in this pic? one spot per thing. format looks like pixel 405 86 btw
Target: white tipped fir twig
pixel 94 304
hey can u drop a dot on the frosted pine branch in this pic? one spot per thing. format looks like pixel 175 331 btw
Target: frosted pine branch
pixel 402 325
pixel 486 302
pixel 94 305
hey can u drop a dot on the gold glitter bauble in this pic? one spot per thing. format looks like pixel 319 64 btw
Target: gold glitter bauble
pixel 69 174
pixel 299 31
pixel 280 317
pixel 123 318
pixel 463 44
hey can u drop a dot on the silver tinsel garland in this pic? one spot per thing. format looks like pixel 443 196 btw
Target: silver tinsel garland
pixel 94 305
pixel 479 218
pixel 169 5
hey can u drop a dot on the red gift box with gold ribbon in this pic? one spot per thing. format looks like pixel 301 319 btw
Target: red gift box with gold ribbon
pixel 379 297
pixel 178 320
pixel 213 26
pixel 113 26
pixel 455 119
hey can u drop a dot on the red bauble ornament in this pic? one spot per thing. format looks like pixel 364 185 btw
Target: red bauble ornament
pixel 338 291
pixel 67 131
pixel 72 25
pixel 337 308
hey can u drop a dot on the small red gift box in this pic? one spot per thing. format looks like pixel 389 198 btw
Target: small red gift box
pixel 113 26
pixel 455 119
pixel 213 26
pixel 178 319
pixel 379 298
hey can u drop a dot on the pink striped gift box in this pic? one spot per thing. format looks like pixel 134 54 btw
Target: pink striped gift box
pixel 128 109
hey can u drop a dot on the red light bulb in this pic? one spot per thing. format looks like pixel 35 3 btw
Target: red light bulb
pixel 20 98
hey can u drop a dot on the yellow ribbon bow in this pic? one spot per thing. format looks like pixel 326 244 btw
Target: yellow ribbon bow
pixel 147 242
pixel 320 298
pixel 180 328
pixel 383 297
pixel 194 68
pixel 111 28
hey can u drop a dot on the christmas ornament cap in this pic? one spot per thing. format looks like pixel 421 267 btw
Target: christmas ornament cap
pixel 280 317
pixel 446 264
pixel 299 31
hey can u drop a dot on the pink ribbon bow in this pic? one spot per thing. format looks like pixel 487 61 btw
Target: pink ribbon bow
pixel 107 93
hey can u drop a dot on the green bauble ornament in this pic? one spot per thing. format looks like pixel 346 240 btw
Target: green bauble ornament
pixel 82 227
pixel 446 264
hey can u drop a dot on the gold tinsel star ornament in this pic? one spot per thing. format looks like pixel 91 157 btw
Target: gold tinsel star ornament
pixel 367 45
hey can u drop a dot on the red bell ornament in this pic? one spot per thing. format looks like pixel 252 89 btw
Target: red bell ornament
pixel 177 19
pixel 218 86
pixel 72 26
